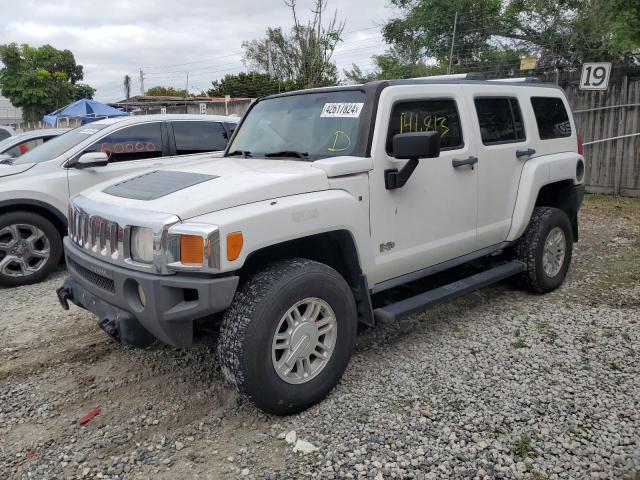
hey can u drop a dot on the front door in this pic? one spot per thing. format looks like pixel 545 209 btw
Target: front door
pixel 432 218
pixel 130 149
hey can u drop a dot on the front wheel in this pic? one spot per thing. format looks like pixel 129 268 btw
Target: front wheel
pixel 288 336
pixel 546 249
pixel 30 248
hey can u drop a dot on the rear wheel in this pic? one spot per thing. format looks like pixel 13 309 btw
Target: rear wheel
pixel 288 336
pixel 30 248
pixel 546 249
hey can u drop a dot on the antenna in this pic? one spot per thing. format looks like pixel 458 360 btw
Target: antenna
pixel 453 42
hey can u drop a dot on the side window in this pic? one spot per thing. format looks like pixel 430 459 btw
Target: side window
pixel 24 147
pixel 551 117
pixel 500 120
pixel 196 137
pixel 425 116
pixel 137 142
pixel 232 127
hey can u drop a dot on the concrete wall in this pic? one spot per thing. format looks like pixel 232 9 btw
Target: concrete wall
pixel 8 113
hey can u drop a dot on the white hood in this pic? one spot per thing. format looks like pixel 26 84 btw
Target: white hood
pixel 236 181
pixel 6 170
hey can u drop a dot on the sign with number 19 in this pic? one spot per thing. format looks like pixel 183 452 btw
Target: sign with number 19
pixel 595 76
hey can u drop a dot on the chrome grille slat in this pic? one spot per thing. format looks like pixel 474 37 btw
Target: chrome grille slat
pixel 103 231
pixel 102 237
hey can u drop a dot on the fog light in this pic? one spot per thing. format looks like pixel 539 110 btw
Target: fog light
pixel 141 295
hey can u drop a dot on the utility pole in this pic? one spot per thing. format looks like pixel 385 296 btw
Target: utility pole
pixel 186 94
pixel 269 59
pixel 453 41
pixel 141 82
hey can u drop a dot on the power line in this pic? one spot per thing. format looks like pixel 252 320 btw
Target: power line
pixel 206 59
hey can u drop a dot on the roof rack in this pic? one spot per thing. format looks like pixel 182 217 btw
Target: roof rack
pixel 454 76
pixel 517 80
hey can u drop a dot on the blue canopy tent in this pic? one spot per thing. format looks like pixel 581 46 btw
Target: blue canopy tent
pixel 87 110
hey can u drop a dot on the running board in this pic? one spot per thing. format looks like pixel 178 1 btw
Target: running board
pixel 429 298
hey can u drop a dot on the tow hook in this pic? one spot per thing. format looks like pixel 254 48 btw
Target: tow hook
pixel 64 295
pixel 110 327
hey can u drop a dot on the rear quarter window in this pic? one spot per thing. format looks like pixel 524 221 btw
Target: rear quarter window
pixel 551 117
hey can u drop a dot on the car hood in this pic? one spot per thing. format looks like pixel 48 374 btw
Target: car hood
pixel 7 169
pixel 208 186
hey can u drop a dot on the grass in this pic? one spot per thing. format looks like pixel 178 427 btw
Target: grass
pixel 615 366
pixel 498 431
pixel 522 447
pixel 549 335
pixel 520 343
pixel 608 205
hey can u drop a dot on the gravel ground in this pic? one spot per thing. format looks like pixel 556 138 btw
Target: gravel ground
pixel 499 384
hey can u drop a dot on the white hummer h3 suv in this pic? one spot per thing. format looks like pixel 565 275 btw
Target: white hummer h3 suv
pixel 332 207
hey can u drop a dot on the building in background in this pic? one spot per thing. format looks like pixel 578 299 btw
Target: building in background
pixel 9 115
pixel 146 105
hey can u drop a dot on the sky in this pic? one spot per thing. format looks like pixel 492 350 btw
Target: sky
pixel 168 38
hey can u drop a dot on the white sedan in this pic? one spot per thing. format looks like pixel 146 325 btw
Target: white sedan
pixel 35 188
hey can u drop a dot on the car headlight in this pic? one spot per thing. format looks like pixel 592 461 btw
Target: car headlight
pixel 142 244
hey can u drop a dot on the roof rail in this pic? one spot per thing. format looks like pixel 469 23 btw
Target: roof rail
pixel 517 80
pixel 454 76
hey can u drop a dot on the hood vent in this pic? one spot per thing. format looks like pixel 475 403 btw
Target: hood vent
pixel 156 184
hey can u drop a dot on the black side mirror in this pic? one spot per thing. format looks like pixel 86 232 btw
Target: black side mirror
pixel 411 146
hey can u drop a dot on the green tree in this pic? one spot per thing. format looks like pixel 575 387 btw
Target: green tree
pixel 303 56
pixel 251 84
pixel 492 35
pixel 159 91
pixel 40 80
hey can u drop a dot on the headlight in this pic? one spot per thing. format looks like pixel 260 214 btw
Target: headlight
pixel 142 244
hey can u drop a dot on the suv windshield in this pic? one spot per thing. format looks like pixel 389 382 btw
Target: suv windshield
pixel 57 146
pixel 305 126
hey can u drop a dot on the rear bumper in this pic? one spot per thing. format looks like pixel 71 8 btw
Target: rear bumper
pixel 171 302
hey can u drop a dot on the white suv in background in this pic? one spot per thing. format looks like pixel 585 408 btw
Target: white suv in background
pixel 35 188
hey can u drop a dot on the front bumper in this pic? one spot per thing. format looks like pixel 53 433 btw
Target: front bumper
pixel 171 302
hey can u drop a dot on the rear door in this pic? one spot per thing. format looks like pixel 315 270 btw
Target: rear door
pixel 131 149
pixel 503 128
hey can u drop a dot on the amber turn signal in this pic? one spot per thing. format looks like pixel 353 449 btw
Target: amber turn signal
pixel 191 249
pixel 234 245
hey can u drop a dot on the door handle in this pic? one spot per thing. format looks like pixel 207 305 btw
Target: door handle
pixel 467 161
pixel 525 153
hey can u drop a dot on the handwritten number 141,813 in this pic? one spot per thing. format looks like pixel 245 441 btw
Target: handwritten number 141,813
pixel 414 122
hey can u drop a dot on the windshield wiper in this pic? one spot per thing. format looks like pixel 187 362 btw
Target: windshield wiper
pixel 7 161
pixel 288 153
pixel 244 153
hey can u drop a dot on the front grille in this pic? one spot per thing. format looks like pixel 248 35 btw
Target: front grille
pixel 98 280
pixel 99 236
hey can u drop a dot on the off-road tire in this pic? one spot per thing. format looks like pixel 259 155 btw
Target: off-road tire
pixel 530 249
pixel 55 247
pixel 248 327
